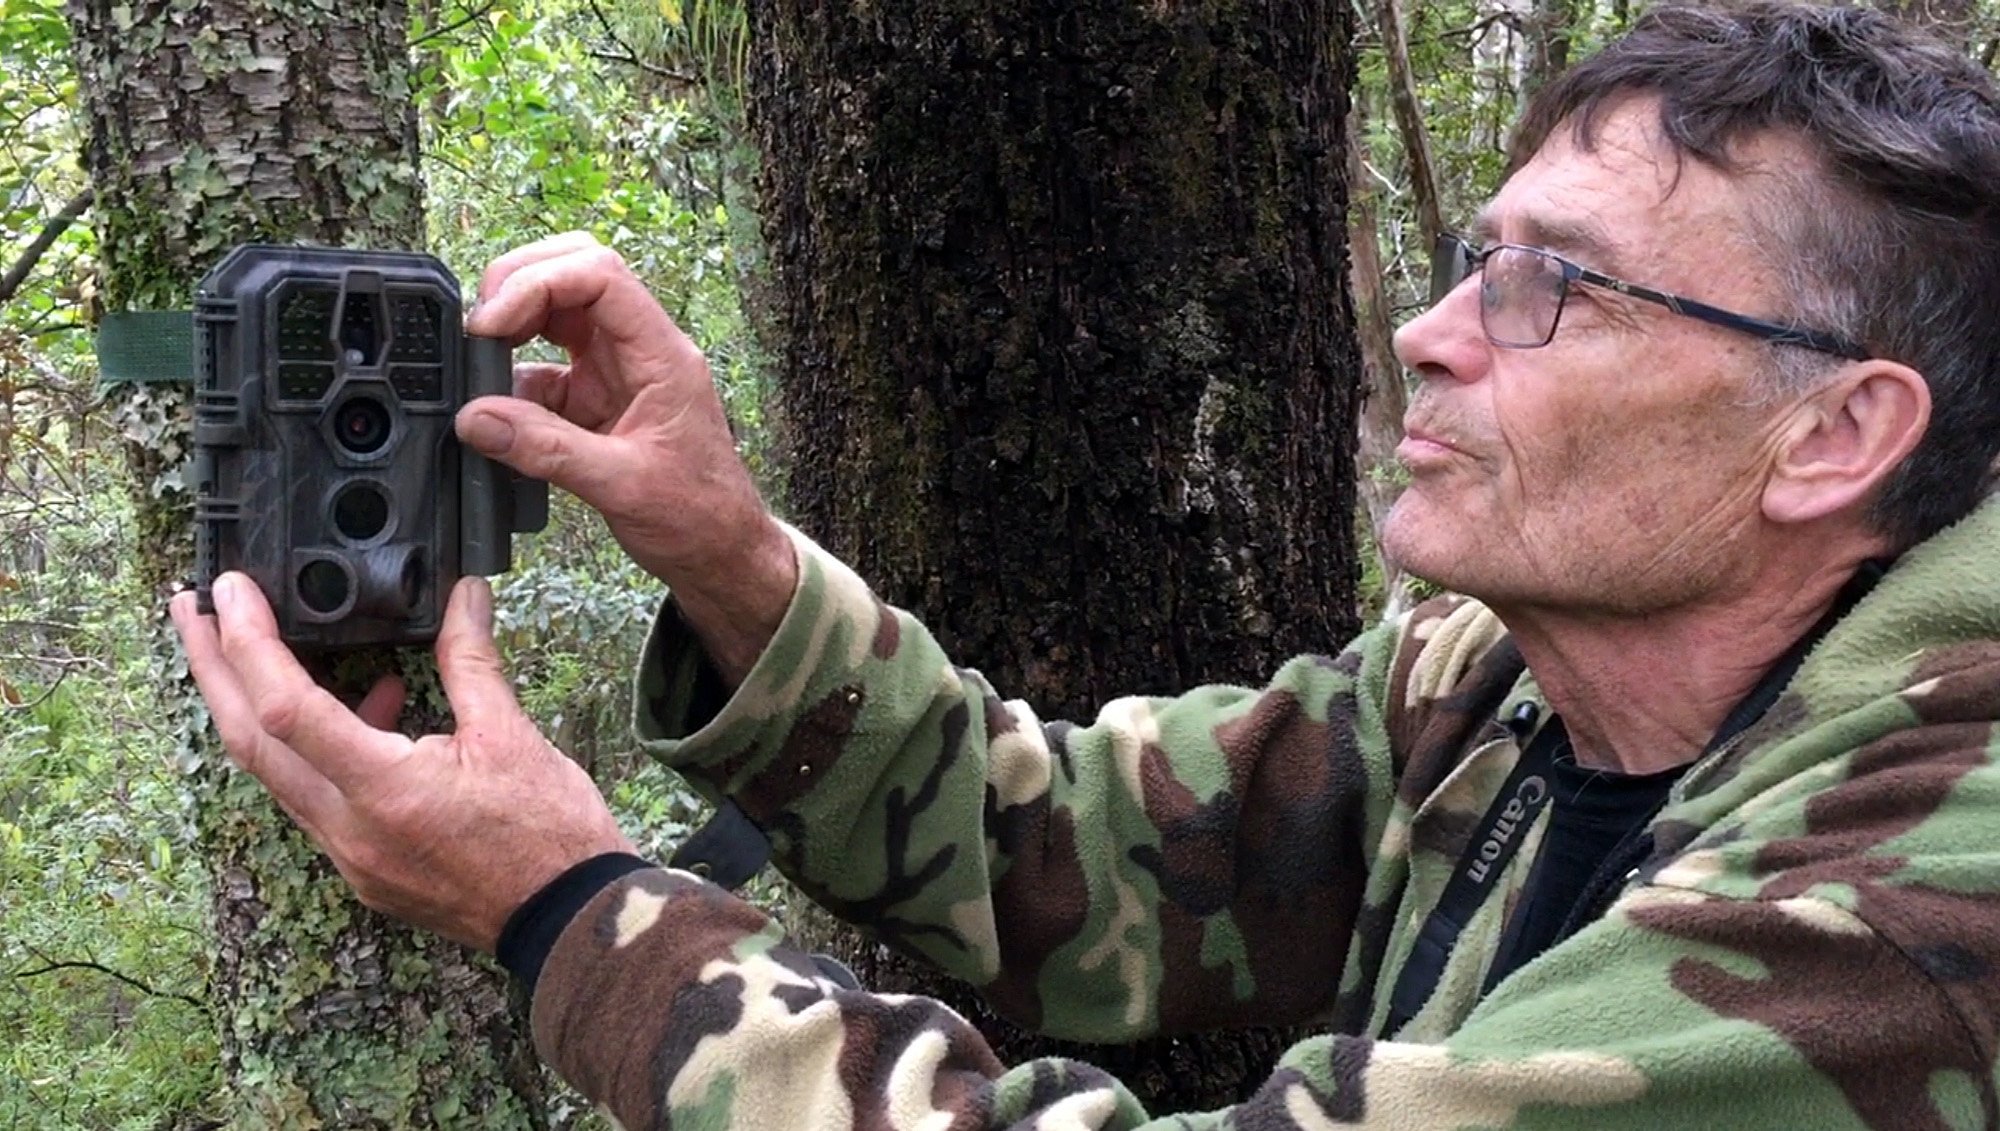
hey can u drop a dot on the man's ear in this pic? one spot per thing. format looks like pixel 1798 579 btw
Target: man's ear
pixel 1844 439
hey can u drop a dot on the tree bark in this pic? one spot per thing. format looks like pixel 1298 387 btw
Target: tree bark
pixel 210 125
pixel 1066 361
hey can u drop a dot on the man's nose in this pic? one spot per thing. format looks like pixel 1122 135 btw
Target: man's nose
pixel 1447 340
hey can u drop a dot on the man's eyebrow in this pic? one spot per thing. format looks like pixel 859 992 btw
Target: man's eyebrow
pixel 1579 239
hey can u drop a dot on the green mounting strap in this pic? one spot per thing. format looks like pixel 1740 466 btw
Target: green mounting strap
pixel 146 347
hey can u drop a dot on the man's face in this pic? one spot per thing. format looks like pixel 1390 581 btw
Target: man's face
pixel 1619 467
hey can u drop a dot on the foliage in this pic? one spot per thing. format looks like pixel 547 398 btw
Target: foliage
pixel 103 947
pixel 1471 61
pixel 40 341
pixel 532 131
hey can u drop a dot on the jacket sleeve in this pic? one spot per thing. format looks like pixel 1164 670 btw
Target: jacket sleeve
pixel 673 1003
pixel 1177 862
pixel 1792 975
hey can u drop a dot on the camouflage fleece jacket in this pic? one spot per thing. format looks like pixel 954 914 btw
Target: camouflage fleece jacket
pixel 1815 942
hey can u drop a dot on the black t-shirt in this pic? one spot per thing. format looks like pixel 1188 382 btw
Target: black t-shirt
pixel 1590 812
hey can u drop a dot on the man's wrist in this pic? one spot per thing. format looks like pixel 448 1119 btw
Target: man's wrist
pixel 532 930
pixel 737 606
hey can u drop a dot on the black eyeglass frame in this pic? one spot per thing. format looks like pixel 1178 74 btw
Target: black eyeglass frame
pixel 1454 260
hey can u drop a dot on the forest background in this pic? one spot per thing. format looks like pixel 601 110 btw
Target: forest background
pixel 621 117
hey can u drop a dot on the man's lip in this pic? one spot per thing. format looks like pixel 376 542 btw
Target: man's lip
pixel 1421 436
pixel 1425 436
pixel 1420 447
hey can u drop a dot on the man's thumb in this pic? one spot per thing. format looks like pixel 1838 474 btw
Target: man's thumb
pixel 468 661
pixel 538 443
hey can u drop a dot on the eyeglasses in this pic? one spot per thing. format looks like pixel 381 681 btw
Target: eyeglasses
pixel 1522 289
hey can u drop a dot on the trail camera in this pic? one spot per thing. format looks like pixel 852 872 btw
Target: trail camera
pixel 326 463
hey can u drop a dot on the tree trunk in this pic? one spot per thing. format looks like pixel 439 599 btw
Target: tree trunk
pixel 1549 27
pixel 211 125
pixel 1384 397
pixel 1410 128
pixel 1066 360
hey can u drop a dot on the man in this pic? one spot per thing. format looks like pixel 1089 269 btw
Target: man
pixel 1691 819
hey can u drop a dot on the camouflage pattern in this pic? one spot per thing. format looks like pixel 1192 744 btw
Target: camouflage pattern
pixel 1814 944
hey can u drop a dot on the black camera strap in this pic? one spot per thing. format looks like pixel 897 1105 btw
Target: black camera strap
pixel 1494 842
pixel 727 850
pixel 1521 799
pixel 1519 802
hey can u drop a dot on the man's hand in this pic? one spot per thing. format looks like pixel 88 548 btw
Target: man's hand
pixel 633 427
pixel 451 833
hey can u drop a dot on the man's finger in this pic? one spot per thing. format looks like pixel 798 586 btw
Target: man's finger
pixel 301 790
pixel 549 247
pixel 382 707
pixel 555 388
pixel 538 443
pixel 468 663
pixel 544 382
pixel 287 705
pixel 593 278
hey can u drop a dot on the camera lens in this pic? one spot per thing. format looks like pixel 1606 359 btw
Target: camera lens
pixel 324 586
pixel 362 425
pixel 360 511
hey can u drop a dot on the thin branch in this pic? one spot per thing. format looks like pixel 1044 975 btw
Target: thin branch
pixel 454 25
pixel 18 274
pixel 433 155
pixel 1473 30
pixel 53 661
pixel 631 56
pixel 1388 187
pixel 19 115
pixel 649 68
pixel 42 319
pixel 1410 121
pixel 1368 38
pixel 47 693
pixel 54 625
pixel 135 983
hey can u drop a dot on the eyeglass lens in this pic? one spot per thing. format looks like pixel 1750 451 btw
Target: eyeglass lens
pixel 1521 297
pixel 1520 290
